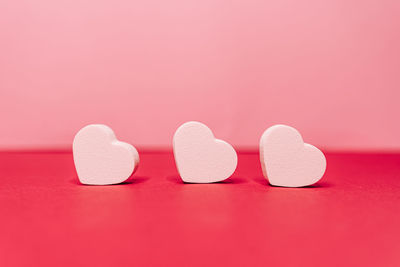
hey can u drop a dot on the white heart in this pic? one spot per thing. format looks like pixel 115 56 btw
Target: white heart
pixel 199 157
pixel 100 159
pixel 287 161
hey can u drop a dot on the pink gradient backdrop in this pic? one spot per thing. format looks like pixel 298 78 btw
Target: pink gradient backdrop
pixel 329 68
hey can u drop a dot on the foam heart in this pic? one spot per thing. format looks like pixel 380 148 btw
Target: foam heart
pixel 287 161
pixel 100 159
pixel 199 157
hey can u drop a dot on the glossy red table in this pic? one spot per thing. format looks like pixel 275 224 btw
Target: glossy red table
pixel 351 218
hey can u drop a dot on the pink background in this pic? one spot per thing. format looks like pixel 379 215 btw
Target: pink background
pixel 329 68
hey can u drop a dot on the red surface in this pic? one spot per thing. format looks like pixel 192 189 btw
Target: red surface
pixel 352 218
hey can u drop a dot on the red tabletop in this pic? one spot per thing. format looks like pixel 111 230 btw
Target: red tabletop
pixel 351 218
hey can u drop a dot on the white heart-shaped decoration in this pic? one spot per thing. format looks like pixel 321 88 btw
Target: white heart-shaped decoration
pixel 199 157
pixel 287 161
pixel 100 159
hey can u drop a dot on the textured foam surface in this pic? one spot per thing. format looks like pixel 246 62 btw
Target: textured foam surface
pixel 100 159
pixel 287 161
pixel 200 157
